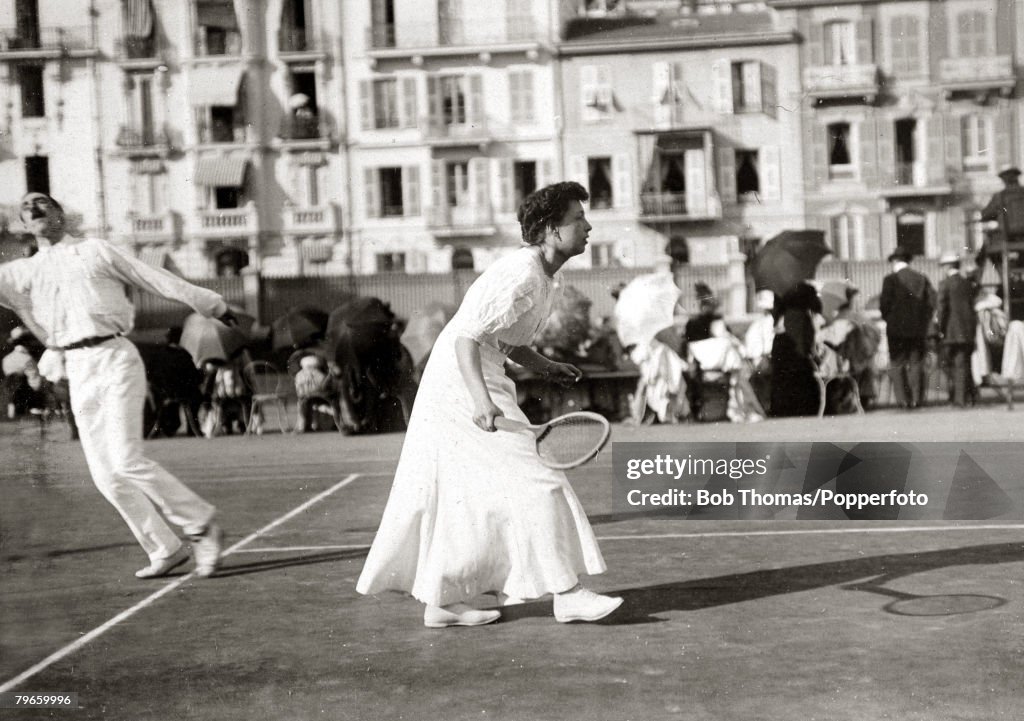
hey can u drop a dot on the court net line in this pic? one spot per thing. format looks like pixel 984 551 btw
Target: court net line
pixel 157 595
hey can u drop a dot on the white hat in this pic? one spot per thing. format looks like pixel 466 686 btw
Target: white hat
pixel 765 300
pixel 18 332
pixel 949 258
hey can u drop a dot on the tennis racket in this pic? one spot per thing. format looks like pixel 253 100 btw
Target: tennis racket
pixel 564 442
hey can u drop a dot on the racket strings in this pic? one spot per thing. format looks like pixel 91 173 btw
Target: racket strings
pixel 571 440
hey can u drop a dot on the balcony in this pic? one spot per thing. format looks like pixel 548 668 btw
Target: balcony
pixel 220 134
pixel 674 207
pixel 153 228
pixel 479 36
pixel 841 81
pixel 300 44
pixel 975 75
pixel 438 132
pixel 910 180
pixel 145 141
pixel 138 53
pixel 227 222
pixel 461 221
pixel 46 43
pixel 315 220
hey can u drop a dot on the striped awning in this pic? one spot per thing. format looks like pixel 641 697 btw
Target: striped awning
pixel 138 18
pixel 221 171
pixel 154 256
pixel 215 84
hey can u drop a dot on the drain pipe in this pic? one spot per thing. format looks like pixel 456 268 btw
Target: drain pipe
pixel 97 122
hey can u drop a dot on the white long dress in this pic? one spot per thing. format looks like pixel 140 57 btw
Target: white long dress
pixel 472 512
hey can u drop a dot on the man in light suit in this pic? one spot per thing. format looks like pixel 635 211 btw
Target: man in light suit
pixel 907 304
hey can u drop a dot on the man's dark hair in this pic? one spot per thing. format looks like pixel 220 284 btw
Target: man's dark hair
pixel 546 207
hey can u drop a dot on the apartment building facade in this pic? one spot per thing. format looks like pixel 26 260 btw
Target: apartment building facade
pixel 910 110
pixel 203 133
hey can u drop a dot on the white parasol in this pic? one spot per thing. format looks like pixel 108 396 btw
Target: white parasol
pixel 645 307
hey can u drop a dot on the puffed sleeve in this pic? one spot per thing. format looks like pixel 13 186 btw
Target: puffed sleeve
pixel 494 306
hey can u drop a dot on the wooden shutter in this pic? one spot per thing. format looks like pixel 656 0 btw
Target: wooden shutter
pixel 371 179
pixel 475 112
pixel 727 174
pixel 366 104
pixel 526 104
pixel 721 72
pixel 545 172
pixel 885 151
pixel 479 187
pixel 435 110
pixel 815 43
pixel 865 42
pixel 661 82
pixel 504 187
pixel 751 72
pixel 408 106
pixel 578 171
pixel 588 93
pixel 771 173
pixel 1003 129
pixel 868 156
pixel 605 95
pixel 816 153
pixel 696 183
pixel 954 153
pixel 872 249
pixel 678 94
pixel 769 91
pixel 622 175
pixel 935 162
pixel 438 192
pixel 411 190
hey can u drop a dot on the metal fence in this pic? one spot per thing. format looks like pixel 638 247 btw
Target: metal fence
pixel 154 312
pixel 867 275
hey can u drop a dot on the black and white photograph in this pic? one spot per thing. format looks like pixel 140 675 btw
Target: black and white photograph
pixel 591 360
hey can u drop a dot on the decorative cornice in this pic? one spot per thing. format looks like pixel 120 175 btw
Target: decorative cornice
pixel 609 47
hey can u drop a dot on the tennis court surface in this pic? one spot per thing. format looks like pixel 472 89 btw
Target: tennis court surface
pixel 722 619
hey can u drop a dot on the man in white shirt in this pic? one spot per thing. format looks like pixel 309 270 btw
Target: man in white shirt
pixel 73 291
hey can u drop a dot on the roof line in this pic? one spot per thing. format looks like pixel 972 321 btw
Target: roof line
pixel 607 47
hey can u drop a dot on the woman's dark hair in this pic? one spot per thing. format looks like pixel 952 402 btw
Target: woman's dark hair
pixel 546 207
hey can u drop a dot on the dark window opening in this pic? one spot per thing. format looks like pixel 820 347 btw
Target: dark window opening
pixel 910 233
pixel 462 259
pixel 678 250
pixel 222 124
pixel 294 33
pixel 230 261
pixel 391 262
pixel 227 197
pixel 673 174
pixel 599 178
pixel 839 144
pixel 30 78
pixel 305 113
pixel 905 132
pixel 37 174
pixel 391 192
pixel 382 20
pixel 525 174
pixel 27 23
pixel 747 178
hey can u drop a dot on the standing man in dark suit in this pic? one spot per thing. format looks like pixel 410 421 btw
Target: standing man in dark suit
pixel 907 305
pixel 957 325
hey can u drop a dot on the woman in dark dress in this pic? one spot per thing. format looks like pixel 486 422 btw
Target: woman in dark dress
pixel 794 388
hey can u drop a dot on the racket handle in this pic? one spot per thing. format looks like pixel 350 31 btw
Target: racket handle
pixel 507 424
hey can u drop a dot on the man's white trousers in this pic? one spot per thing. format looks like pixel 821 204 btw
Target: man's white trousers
pixel 108 390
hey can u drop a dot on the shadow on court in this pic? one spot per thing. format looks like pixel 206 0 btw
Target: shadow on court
pixel 641 604
pixel 242 569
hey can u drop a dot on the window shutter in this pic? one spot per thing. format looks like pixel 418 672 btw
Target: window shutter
pixel 828 42
pixel 475 114
pixel 411 190
pixel 721 71
pixel 371 181
pixel 771 172
pixel 661 82
pixel 857 241
pixel 954 153
pixel 865 42
pixel 815 44
pixel 678 93
pixel 816 161
pixel 503 186
pixel 1003 126
pixel 935 162
pixel 545 172
pixel 526 96
pixel 868 150
pixel 622 174
pixel 912 46
pixel 727 174
pixel 479 188
pixel 408 104
pixel 696 183
pixel 366 104
pixel 435 112
pixel 869 229
pixel 769 91
pixel 605 97
pixel 438 193
pixel 578 171
pixel 588 93
pixel 751 72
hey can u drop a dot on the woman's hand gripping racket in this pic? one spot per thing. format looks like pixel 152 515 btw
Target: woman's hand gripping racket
pixel 564 442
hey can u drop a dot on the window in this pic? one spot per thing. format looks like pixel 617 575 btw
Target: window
pixel 840 43
pixel 385 103
pixel 976 142
pixel 390 262
pixel 140 120
pixel 391 192
pixel 746 87
pixel 602 255
pixel 217 24
pixel 524 176
pixel 37 174
pixel 840 151
pixel 596 92
pixel 846 237
pixel 972 35
pixel 599 179
pixel 600 8
pixel 521 96
pixel 906 150
pixel 227 197
pixel 293 33
pixel 30 78
pixel 905 45
pixel 222 125
pixel 453 100
pixel 748 181
pixel 457 183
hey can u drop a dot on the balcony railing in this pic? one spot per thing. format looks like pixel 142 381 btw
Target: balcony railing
pixel 129 138
pixel 841 80
pixel 460 217
pixel 60 39
pixel 435 128
pixel 456 32
pixel 129 48
pixel 302 127
pixel 212 134
pixel 977 71
pixel 227 222
pixel 208 44
pixel 152 226
pixel 661 204
pixel 310 220
pixel 299 40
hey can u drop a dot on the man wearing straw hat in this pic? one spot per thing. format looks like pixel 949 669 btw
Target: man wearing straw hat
pixel 958 324
pixel 73 289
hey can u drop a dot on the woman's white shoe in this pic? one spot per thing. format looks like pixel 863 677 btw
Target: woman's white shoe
pixel 457 614
pixel 581 604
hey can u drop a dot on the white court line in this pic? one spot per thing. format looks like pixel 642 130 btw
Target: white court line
pixel 823 531
pixel 152 598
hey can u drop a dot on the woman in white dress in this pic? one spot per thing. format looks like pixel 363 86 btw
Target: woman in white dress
pixel 474 511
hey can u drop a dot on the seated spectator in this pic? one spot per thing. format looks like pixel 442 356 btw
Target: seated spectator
pixel 316 390
pixel 22 382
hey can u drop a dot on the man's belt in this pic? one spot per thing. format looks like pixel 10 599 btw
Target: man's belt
pixel 89 342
